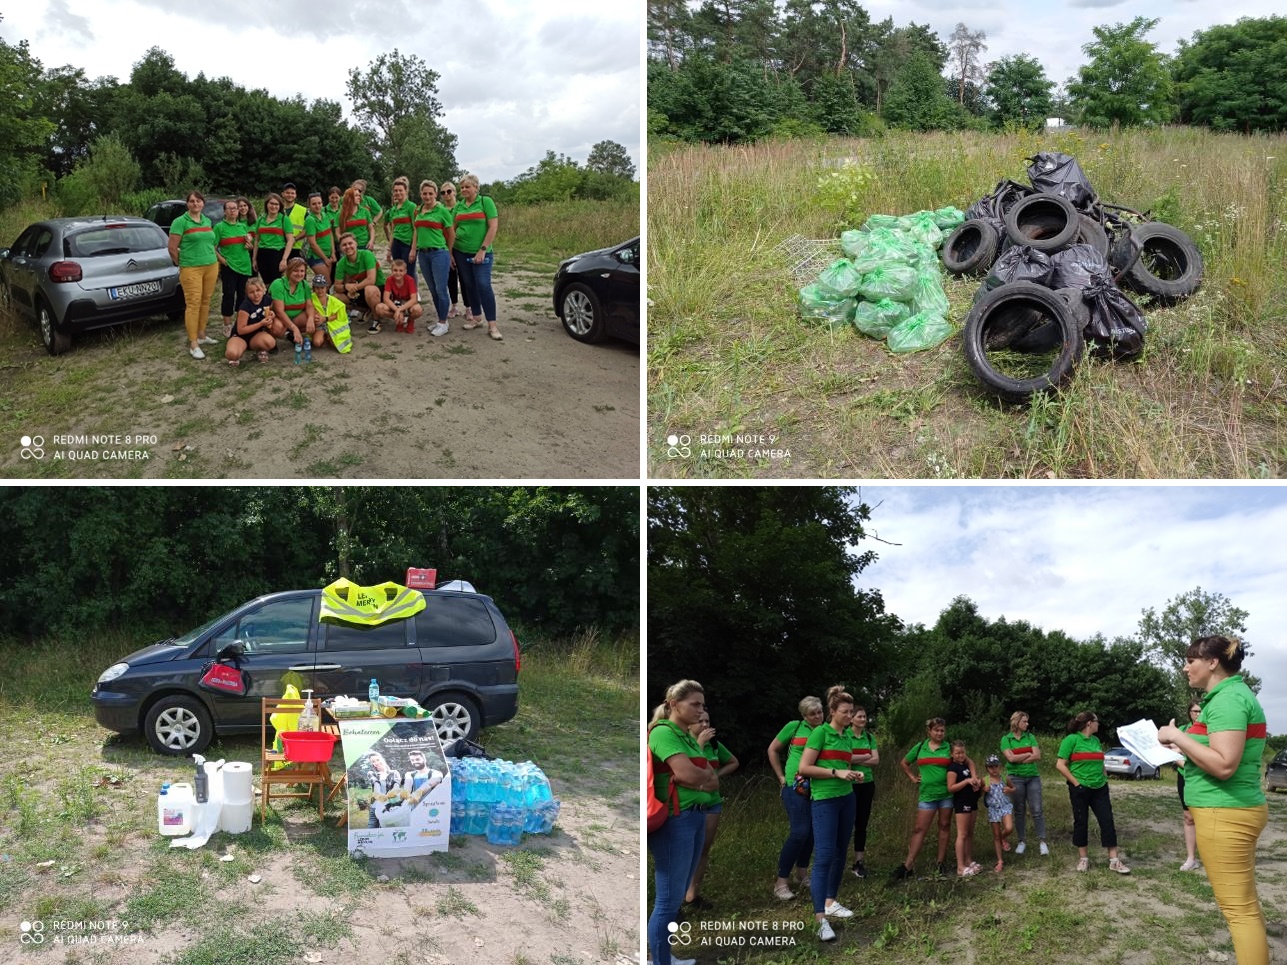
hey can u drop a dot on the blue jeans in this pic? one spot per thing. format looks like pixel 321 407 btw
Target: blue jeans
pixel 434 268
pixel 402 249
pixel 799 843
pixel 476 282
pixel 833 819
pixel 1027 790
pixel 675 851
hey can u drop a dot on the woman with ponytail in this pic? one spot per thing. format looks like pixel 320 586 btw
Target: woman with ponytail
pixel 1081 762
pixel 1222 786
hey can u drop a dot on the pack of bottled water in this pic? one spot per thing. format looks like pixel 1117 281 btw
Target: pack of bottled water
pixel 500 799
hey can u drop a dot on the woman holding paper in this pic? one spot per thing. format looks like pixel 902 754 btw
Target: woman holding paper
pixel 1081 762
pixel 1222 786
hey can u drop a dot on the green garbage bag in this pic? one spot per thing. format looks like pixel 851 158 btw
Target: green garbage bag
pixel 824 306
pixel 949 218
pixel 882 221
pixel 841 277
pixel 918 332
pixel 877 318
pixel 924 229
pixel 892 281
pixel 928 295
pixel 854 242
pixel 885 247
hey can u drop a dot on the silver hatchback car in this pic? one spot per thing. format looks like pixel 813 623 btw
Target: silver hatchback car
pixel 1118 760
pixel 72 275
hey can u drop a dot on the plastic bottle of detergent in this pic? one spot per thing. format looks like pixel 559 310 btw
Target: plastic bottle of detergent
pixel 175 809
pixel 307 716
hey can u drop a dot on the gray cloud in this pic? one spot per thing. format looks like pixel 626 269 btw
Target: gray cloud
pixel 67 23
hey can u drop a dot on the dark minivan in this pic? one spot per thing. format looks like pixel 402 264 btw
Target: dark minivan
pixel 457 657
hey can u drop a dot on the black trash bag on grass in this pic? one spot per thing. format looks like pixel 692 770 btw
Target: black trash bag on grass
pixel 1077 266
pixel 1017 263
pixel 1053 173
pixel 1116 326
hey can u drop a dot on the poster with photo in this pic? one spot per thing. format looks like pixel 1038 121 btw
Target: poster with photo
pixel 399 787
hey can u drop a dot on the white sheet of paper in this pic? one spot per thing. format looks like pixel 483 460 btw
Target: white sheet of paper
pixel 1140 739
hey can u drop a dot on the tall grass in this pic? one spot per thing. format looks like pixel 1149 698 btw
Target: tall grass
pixel 728 353
pixel 560 230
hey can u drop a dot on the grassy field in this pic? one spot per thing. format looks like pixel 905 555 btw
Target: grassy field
pixel 78 832
pixel 729 355
pixel 1037 910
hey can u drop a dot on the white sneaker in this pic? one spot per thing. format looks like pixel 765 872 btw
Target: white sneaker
pixel 1190 865
pixel 837 910
pixel 783 892
pixel 824 932
pixel 1021 847
pixel 206 340
pixel 442 328
pixel 683 961
pixel 196 352
pixel 1044 849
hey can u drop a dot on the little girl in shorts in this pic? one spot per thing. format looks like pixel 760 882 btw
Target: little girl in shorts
pixel 1000 810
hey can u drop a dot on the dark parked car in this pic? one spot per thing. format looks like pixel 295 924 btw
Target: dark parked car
pixel 163 213
pixel 1118 760
pixel 457 657
pixel 1276 772
pixel 596 294
pixel 72 275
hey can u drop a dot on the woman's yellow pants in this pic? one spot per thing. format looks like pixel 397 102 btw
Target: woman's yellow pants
pixel 1227 844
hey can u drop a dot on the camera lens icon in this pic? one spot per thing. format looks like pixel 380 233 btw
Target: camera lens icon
pixel 32 932
pixel 678 446
pixel 679 933
pixel 33 447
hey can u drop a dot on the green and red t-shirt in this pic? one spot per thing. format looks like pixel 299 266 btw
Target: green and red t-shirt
pixel 932 764
pixel 1229 705
pixel 1085 757
pixel 429 227
pixel 372 208
pixel 470 222
pixel 834 753
pixel 196 240
pixel 400 217
pixel 864 746
pixel 359 224
pixel 293 299
pixel 1020 747
pixel 667 739
pixel 794 735
pixel 272 232
pixel 231 237
pixel 717 755
pixel 319 227
pixel 356 269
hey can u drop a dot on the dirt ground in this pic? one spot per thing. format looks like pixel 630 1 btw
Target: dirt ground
pixel 398 406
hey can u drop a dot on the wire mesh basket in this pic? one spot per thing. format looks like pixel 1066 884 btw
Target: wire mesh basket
pixel 807 257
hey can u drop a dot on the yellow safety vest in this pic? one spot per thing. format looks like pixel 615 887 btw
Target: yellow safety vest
pixel 346 602
pixel 337 327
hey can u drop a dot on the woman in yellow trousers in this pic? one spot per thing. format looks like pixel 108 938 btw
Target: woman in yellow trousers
pixel 192 248
pixel 1222 786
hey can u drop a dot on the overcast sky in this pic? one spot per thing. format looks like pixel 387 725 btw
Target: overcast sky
pixel 518 77
pixel 1088 559
pixel 1054 31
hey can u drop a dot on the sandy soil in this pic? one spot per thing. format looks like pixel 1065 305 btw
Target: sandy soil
pixel 537 405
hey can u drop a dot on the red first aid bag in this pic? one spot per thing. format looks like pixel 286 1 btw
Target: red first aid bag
pixel 223 679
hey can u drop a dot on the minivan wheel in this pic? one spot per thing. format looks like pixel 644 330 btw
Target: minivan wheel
pixel 178 726
pixel 455 716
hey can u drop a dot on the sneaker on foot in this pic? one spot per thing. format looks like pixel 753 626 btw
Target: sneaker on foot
pixel 1190 865
pixel 442 328
pixel 824 932
pixel 943 869
pixel 196 353
pixel 783 893
pixel 1118 865
pixel 411 328
pixel 901 873
pixel 1044 849
pixel 1020 848
pixel 375 326
pixel 206 340
pixel 400 327
pixel 837 910
pixel 683 961
pixel 1083 864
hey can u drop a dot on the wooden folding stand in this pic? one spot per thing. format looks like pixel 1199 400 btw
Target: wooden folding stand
pixel 296 772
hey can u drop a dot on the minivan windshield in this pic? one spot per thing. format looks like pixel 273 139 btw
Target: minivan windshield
pixel 190 637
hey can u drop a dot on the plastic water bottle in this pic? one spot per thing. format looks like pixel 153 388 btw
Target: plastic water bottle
pixel 476 815
pixel 457 817
pixel 459 781
pixel 373 694
pixel 540 819
pixel 308 349
pixel 504 826
pixel 539 789
pixel 299 352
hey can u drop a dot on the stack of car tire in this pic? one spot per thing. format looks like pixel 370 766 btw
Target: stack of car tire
pixel 1059 220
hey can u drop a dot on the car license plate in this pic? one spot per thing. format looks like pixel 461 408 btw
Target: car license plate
pixel 135 291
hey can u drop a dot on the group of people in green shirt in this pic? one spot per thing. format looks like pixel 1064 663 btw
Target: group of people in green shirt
pixel 826 786
pixel 450 241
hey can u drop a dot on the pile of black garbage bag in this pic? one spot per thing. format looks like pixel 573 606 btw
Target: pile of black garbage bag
pixel 1056 260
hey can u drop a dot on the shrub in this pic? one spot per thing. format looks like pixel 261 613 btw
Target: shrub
pixel 111 170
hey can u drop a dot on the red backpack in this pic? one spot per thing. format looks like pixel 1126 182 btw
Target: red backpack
pixel 658 810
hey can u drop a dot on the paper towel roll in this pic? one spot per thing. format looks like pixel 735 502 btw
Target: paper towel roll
pixel 237 783
pixel 236 818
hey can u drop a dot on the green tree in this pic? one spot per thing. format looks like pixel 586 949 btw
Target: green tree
pixel 111 169
pixel 393 90
pixel 1019 91
pixel 1165 637
pixel 612 159
pixel 917 99
pixel 965 46
pixel 1233 77
pixel 1127 81
pixel 22 129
